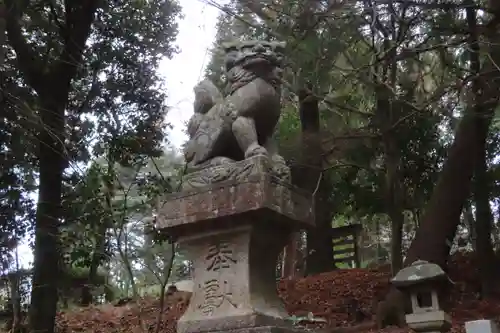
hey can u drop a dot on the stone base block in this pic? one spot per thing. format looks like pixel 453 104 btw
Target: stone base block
pixel 242 323
pixel 259 196
pixel 263 329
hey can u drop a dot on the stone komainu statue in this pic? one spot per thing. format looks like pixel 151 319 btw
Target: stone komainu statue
pixel 239 125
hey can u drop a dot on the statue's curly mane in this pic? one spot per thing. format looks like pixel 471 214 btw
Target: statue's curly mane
pixel 238 77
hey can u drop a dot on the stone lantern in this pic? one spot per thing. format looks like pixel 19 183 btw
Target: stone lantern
pixel 422 281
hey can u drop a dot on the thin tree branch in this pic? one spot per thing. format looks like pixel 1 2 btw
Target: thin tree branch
pixel 29 62
pixel 79 19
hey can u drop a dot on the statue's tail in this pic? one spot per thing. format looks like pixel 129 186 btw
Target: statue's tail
pixel 206 95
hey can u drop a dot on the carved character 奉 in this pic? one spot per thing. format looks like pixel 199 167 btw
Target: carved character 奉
pixel 239 125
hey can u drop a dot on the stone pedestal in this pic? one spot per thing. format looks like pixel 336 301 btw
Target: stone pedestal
pixel 233 232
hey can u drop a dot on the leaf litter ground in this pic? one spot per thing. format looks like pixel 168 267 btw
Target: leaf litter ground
pixel 326 296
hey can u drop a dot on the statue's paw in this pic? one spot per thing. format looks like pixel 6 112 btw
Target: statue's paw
pixel 221 160
pixel 282 172
pixel 255 150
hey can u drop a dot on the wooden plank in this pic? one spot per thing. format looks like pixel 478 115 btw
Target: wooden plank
pixel 347 230
pixel 350 237
pixel 337 242
pixel 344 260
pixel 341 233
pixel 343 251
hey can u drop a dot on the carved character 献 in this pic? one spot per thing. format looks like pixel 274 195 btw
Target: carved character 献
pixel 214 296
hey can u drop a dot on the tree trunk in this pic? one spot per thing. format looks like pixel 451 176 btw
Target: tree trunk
pixel 168 273
pixel 481 189
pixel 123 252
pixel 100 237
pixel 387 111
pixel 434 237
pixel 319 257
pixel 379 246
pixel 291 255
pixel 305 175
pixel 481 186
pixel 397 223
pixel 130 276
pixel 149 259
pixel 470 221
pixel 484 222
pixel 46 255
pixel 393 204
pixel 15 298
pixel 97 257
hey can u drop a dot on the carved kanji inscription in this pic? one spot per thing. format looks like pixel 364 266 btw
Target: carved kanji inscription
pixel 215 295
pixel 219 256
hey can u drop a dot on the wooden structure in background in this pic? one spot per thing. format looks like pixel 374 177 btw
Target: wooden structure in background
pixel 347 237
pixel 345 243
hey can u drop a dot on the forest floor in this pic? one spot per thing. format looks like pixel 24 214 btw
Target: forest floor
pixel 327 296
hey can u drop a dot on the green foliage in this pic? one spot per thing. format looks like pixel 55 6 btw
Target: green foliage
pixel 115 113
pixel 342 52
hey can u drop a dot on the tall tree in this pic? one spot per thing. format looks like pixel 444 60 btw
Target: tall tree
pixel 435 235
pixel 319 242
pixel 78 59
pixel 52 82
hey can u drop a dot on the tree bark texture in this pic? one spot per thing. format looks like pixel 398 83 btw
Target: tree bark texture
pixel 291 256
pixel 481 185
pixel 470 221
pixel 393 196
pixel 484 223
pixel 387 114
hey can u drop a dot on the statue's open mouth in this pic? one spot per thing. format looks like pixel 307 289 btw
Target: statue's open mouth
pixel 257 59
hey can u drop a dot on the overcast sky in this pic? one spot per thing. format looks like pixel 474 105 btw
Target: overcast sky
pixel 195 38
pixel 196 35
